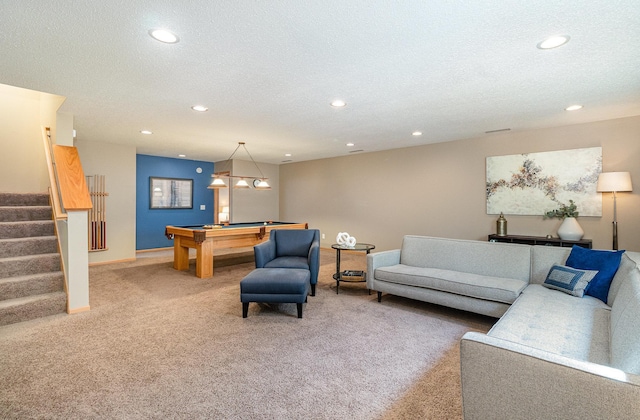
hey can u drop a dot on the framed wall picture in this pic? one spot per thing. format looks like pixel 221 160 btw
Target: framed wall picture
pixel 170 193
pixel 534 183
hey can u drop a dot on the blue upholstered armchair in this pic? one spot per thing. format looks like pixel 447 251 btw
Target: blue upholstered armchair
pixel 291 248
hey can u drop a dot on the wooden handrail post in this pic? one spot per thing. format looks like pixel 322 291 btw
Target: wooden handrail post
pixel 58 212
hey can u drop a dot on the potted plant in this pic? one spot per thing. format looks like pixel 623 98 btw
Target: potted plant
pixel 570 229
pixel 563 211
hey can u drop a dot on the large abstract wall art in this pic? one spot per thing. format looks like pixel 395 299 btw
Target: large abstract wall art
pixel 534 183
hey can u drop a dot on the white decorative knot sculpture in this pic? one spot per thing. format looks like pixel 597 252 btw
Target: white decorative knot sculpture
pixel 345 239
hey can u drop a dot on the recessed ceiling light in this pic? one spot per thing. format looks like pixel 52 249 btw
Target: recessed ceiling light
pixel 146 132
pixel 338 103
pixel 553 42
pixel 416 133
pixel 182 155
pixel 287 154
pixel 163 35
pixel 573 108
pixel 350 144
pixel 200 108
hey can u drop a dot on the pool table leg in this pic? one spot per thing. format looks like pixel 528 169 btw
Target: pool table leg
pixel 180 255
pixel 204 259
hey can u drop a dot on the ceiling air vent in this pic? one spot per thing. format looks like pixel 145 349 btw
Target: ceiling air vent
pixel 497 131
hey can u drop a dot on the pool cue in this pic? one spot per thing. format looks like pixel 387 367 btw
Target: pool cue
pixel 103 217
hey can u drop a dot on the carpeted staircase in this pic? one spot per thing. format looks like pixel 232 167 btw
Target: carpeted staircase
pixel 31 280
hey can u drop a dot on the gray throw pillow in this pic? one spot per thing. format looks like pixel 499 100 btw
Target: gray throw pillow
pixel 569 280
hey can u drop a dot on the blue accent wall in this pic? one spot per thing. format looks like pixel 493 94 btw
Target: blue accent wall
pixel 150 223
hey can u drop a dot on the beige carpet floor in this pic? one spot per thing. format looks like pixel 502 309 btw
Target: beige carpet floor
pixel 159 343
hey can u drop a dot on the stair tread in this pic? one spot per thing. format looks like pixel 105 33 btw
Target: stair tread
pixel 27 257
pixel 22 222
pixel 30 238
pixel 24 207
pixel 27 229
pixel 24 199
pixel 29 277
pixel 30 245
pixel 29 264
pixel 29 299
pixel 31 284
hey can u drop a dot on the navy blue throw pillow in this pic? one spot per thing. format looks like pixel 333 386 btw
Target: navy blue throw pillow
pixel 606 262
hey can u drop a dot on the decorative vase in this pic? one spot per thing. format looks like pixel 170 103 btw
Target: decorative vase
pixel 501 226
pixel 570 230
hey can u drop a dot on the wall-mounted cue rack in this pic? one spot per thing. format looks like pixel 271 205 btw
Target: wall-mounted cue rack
pixel 98 214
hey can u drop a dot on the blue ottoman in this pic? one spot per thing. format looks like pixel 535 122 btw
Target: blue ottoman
pixel 275 285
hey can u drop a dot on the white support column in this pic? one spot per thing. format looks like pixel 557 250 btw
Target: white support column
pixel 78 261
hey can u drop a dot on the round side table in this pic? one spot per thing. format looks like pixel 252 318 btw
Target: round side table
pixel 350 275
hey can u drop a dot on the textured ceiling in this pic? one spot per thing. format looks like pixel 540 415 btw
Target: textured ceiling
pixel 268 70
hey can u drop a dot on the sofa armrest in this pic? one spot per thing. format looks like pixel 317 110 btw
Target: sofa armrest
pixel 506 380
pixel 380 259
pixel 314 261
pixel 264 252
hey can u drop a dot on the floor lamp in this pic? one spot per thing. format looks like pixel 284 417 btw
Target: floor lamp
pixel 614 182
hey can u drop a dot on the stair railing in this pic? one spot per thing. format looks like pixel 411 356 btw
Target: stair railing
pixel 70 202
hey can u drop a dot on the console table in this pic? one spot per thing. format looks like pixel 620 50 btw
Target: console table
pixel 539 240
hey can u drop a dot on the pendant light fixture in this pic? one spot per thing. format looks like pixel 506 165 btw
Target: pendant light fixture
pixel 261 183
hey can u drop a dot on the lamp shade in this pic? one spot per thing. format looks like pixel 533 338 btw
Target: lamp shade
pixel 614 182
pixel 263 185
pixel 241 184
pixel 217 183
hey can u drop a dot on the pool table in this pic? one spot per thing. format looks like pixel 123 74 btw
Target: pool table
pixel 205 240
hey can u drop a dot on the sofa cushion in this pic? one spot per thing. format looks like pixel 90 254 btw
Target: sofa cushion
pixel 606 262
pixel 569 280
pixel 476 257
pixel 625 325
pixel 558 323
pixel 496 289
pixel 288 262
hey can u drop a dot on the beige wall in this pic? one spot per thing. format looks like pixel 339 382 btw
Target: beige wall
pixel 23 113
pixel 64 129
pixel 439 189
pixel 118 164
pixel 250 205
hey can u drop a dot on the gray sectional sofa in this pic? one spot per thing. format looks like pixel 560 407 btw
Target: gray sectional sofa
pixel 551 354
